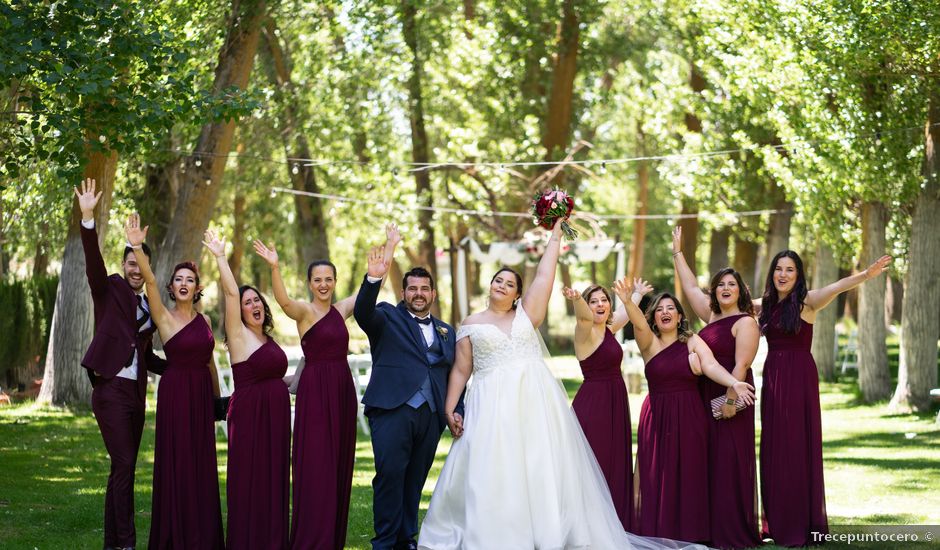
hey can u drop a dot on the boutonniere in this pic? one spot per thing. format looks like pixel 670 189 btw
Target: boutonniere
pixel 443 332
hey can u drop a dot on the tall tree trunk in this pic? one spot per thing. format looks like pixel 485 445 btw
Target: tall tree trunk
pixel 824 330
pixel 566 281
pixel 156 207
pixel 64 381
pixel 200 184
pixel 419 142
pixel 745 263
pixel 310 234
pixel 637 240
pixel 689 250
pixel 920 322
pixel 779 236
pixel 557 134
pixel 893 299
pixel 237 256
pixel 41 258
pixel 718 250
pixel 874 380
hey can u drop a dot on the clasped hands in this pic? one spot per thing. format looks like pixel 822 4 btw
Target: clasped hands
pixel 455 424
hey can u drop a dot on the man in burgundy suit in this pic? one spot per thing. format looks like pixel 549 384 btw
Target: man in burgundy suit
pixel 117 362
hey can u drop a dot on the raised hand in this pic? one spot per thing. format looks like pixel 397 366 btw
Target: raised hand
pixel 622 288
pixel 392 236
pixel 677 239
pixel 378 267
pixel 878 267
pixel 642 287
pixel 571 294
pixel 87 198
pixel 135 234
pixel 214 243
pixel 268 254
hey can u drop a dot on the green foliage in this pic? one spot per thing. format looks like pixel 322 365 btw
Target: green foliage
pixel 84 74
pixel 25 318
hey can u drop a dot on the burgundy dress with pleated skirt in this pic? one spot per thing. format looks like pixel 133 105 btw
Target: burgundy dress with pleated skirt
pixel 259 452
pixel 604 414
pixel 731 457
pixel 186 509
pixel 791 465
pixel 672 451
pixel 324 437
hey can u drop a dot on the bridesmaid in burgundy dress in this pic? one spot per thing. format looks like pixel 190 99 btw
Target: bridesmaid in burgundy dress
pixel 733 336
pixel 601 402
pixel 186 510
pixel 258 419
pixel 325 416
pixel 672 451
pixel 791 464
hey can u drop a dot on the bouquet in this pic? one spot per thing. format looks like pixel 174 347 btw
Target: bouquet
pixel 549 206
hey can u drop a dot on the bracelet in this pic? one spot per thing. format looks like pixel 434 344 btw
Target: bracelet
pixel 674 254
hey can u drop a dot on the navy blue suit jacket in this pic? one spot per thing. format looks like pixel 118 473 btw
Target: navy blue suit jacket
pixel 399 353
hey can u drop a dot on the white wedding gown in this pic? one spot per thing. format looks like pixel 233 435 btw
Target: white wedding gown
pixel 522 476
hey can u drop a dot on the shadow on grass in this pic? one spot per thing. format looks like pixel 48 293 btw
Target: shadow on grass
pixel 885 439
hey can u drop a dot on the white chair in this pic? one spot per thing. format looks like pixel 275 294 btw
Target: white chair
pixel 849 352
pixel 361 368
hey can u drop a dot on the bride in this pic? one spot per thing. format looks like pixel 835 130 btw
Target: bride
pixel 520 474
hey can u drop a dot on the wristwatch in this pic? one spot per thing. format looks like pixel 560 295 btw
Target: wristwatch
pixel 730 401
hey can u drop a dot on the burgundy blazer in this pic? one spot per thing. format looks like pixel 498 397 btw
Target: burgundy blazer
pixel 116 335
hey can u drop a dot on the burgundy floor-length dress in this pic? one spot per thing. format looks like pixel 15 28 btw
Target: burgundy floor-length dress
pixel 731 458
pixel 187 511
pixel 672 451
pixel 791 465
pixel 324 437
pixel 604 414
pixel 259 452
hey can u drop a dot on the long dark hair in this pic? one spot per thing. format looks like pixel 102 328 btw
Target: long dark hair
pixel 787 316
pixel 683 330
pixel 518 282
pixel 184 265
pixel 267 327
pixel 745 305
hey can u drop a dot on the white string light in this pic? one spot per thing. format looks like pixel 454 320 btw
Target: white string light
pixel 466 212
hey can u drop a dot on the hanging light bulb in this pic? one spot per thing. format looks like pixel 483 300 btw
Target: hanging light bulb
pixel 198 162
pixel 295 169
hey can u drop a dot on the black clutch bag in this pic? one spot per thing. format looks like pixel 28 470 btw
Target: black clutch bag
pixel 221 407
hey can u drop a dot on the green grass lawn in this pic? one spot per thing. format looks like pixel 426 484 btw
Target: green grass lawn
pixel 880 469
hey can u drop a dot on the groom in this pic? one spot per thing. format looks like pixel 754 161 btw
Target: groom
pixel 412 354
pixel 117 362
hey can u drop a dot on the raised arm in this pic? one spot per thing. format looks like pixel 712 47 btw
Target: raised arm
pixel 456 383
pixel 135 237
pixel 620 318
pixel 584 317
pixel 820 298
pixel 294 309
pixel 392 238
pixel 364 310
pixel 712 369
pixel 94 264
pixel 535 299
pixel 234 327
pixel 697 299
pixel 641 329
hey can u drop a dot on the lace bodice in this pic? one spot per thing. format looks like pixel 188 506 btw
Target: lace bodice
pixel 493 349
